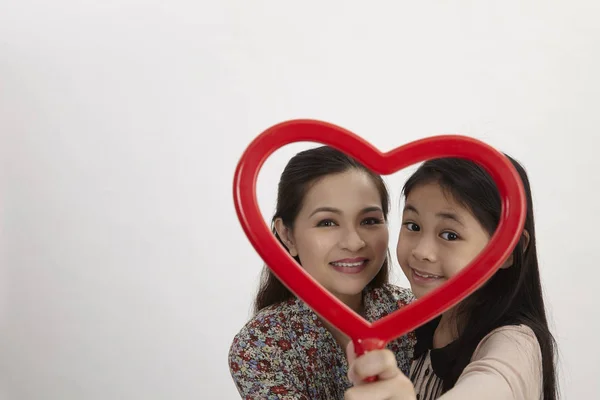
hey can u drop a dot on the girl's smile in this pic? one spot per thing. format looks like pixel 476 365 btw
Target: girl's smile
pixel 439 237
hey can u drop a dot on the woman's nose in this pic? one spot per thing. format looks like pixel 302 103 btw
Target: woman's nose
pixel 352 241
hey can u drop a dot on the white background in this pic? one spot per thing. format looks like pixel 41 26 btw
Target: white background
pixel 125 273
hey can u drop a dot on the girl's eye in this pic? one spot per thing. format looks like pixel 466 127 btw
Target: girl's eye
pixel 450 236
pixel 373 221
pixel 326 222
pixel 411 226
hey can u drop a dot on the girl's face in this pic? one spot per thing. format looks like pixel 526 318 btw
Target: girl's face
pixel 340 234
pixel 439 237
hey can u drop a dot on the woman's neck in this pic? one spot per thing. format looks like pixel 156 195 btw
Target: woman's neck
pixel 355 302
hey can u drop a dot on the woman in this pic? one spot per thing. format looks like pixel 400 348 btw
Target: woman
pixel 332 218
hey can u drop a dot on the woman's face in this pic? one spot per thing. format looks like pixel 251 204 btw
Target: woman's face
pixel 340 234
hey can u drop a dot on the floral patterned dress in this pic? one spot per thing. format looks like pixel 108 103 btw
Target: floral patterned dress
pixel 285 351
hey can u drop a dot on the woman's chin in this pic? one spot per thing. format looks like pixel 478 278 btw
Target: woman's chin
pixel 348 294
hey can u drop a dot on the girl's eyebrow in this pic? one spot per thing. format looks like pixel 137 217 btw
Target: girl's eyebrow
pixel 445 215
pixel 451 216
pixel 410 207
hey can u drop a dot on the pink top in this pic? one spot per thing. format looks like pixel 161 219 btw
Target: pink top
pixel 506 365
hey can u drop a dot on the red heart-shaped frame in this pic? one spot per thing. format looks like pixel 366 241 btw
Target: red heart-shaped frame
pixel 368 336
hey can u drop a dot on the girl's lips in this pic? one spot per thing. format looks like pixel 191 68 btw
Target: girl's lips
pixel 424 277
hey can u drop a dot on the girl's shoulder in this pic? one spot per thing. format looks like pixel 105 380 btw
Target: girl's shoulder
pixel 514 348
pixel 507 364
pixel 515 338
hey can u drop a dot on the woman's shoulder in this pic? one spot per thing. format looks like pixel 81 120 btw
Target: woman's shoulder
pixel 391 293
pixel 263 356
pixel 273 327
pixel 383 301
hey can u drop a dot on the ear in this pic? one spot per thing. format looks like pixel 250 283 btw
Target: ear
pixel 525 238
pixel 508 263
pixel 285 234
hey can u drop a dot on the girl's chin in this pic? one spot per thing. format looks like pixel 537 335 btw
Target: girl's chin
pixel 419 291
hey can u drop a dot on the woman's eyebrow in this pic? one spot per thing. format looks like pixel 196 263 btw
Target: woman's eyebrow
pixel 325 209
pixel 338 211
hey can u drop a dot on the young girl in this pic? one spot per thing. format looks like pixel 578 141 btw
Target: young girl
pixel 332 218
pixel 496 343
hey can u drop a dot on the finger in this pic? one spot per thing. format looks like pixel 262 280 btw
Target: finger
pixel 381 363
pixel 379 390
pixel 394 389
pixel 351 356
pixel 350 352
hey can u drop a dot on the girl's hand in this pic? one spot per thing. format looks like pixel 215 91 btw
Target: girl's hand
pixel 392 384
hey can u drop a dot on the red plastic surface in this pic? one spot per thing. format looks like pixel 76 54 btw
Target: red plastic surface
pixel 365 335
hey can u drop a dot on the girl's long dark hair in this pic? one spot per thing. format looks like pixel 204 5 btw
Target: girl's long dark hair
pixel 513 295
pixel 301 172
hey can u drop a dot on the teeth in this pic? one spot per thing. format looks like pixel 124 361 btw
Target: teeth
pixel 350 265
pixel 425 275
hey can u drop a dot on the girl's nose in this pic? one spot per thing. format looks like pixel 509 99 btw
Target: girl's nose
pixel 424 250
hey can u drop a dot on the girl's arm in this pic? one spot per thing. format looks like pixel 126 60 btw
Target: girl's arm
pixel 507 365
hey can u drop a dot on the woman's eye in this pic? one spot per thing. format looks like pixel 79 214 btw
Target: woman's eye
pixel 411 226
pixel 373 221
pixel 451 236
pixel 326 222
